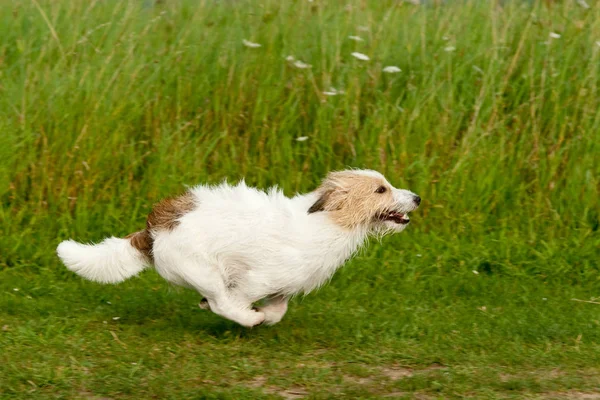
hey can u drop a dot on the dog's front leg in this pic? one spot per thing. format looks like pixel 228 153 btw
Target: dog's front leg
pixel 222 301
pixel 274 309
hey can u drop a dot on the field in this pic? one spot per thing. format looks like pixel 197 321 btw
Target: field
pixel 493 291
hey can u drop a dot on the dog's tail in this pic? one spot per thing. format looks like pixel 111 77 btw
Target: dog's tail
pixel 110 261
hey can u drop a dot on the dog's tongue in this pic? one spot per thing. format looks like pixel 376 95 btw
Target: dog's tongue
pixel 396 217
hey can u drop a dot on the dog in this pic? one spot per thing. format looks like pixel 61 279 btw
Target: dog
pixel 237 245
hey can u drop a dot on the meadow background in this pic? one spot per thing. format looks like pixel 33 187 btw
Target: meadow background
pixel 108 106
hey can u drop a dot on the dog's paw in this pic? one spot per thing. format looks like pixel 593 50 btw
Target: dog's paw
pixel 257 318
pixel 271 317
pixel 273 312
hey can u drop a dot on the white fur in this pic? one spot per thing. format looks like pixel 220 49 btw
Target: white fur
pixel 111 261
pixel 239 245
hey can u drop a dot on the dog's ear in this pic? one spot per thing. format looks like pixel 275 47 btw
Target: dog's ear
pixel 330 200
pixel 321 202
pixel 332 194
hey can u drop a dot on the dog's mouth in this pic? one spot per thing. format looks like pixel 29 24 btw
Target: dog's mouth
pixel 396 217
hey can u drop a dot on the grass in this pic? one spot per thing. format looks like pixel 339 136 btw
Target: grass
pixel 105 107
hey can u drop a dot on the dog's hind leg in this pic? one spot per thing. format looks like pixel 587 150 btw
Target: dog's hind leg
pixel 222 301
pixel 204 304
pixel 274 309
pixel 208 280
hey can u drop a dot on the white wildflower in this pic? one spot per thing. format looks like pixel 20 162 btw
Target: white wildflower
pixel 297 63
pixel 449 49
pixel 302 138
pixel 361 56
pixel 419 255
pixel 545 299
pixel 108 302
pixel 583 4
pixel 356 38
pixel 301 65
pixel 333 92
pixel 476 272
pixel 250 44
pixel 445 38
pixel 554 35
pixel 116 318
pixel 16 289
pixel 392 69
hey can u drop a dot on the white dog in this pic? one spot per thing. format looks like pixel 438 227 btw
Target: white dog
pixel 237 245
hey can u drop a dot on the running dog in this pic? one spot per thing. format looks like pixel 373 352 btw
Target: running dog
pixel 237 245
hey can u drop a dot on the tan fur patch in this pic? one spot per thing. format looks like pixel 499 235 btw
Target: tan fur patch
pixel 142 241
pixel 165 215
pixel 351 198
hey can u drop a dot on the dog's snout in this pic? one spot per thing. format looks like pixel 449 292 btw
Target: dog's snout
pixel 417 199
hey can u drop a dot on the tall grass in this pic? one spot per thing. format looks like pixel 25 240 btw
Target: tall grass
pixel 105 107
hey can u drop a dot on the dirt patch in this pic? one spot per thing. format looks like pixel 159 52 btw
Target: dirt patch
pixel 415 396
pixel 87 395
pixel 546 374
pixel 372 379
pixel 571 395
pixel 292 393
pixel 257 382
pixel 358 380
pixel 395 373
pixel 396 395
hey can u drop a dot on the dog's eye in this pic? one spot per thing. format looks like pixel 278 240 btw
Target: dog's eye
pixel 381 189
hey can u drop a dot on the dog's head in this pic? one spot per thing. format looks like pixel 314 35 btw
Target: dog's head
pixel 365 199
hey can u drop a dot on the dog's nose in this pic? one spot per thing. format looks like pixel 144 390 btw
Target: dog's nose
pixel 417 200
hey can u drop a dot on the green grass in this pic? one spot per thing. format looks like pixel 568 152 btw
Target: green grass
pixel 105 107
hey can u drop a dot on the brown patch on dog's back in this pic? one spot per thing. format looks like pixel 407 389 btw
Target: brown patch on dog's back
pixel 165 215
pixel 142 241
